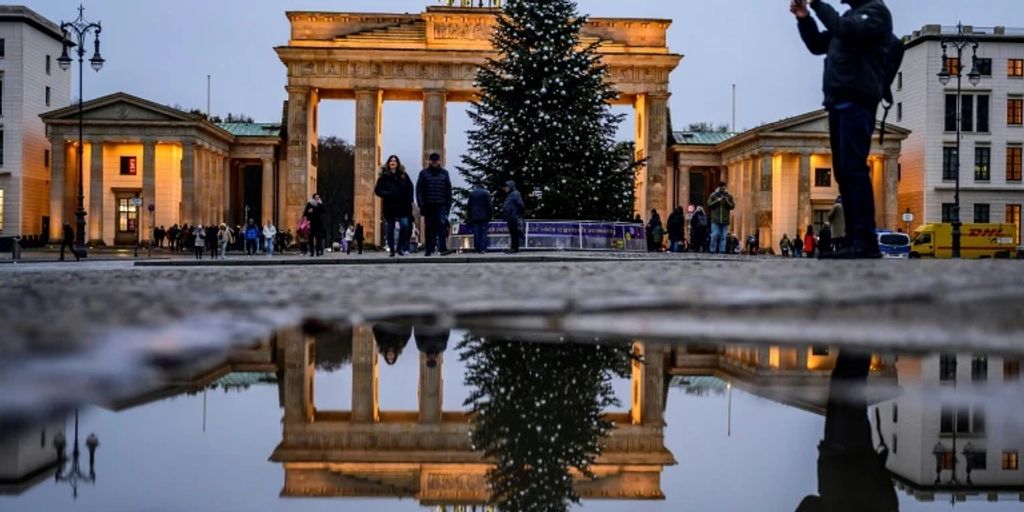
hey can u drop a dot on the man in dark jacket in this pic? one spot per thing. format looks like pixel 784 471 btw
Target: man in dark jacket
pixel 314 211
pixel 68 241
pixel 434 197
pixel 479 210
pixel 513 210
pixel 392 337
pixel 854 84
pixel 395 189
pixel 432 341
pixel 676 227
pixel 720 205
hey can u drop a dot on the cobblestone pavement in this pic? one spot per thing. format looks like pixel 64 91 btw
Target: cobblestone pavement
pixel 71 319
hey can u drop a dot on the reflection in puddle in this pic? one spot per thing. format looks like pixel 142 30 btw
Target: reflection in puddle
pixel 449 419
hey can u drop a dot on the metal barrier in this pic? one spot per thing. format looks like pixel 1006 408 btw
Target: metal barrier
pixel 559 236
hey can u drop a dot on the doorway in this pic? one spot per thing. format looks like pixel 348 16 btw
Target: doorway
pixel 126 227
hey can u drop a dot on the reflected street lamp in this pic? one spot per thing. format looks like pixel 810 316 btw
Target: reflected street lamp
pixel 75 34
pixel 75 475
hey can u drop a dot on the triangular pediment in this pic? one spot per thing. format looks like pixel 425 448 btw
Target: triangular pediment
pixel 816 122
pixel 120 107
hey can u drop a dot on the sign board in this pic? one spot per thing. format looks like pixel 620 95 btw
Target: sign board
pixel 137 201
pixel 908 217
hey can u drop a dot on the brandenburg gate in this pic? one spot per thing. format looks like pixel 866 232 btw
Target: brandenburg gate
pixel 433 57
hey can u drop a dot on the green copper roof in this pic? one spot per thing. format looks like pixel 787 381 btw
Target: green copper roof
pixel 252 129
pixel 701 138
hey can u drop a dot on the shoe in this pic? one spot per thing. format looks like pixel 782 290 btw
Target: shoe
pixel 447 253
pixel 427 254
pixel 393 255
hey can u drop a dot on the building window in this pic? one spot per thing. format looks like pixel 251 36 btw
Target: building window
pixel 1011 370
pixel 1 210
pixel 46 158
pixel 1009 461
pixel 962 419
pixel 950 163
pixel 895 444
pixel 895 413
pixel 953 65
pixel 1 148
pixel 950 125
pixel 982 163
pixel 899 111
pixel 1 94
pixel 983 109
pixel 766 179
pixel 48 59
pixel 128 218
pixel 947 212
pixel 3 48
pixel 946 420
pixel 1015 111
pixel 979 363
pixel 984 66
pixel 967 113
pixel 819 351
pixel 982 213
pixel 978 425
pixel 978 461
pixel 47 96
pixel 129 166
pixel 819 218
pixel 1015 68
pixel 899 81
pixel 823 177
pixel 1013 163
pixel 947 362
pixel 947 461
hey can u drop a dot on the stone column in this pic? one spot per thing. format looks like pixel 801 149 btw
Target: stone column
pixel 683 184
pixel 765 200
pixel 148 190
pixel 225 189
pixel 648 385
pixel 297 380
pixel 656 106
pixel 431 390
pixel 892 190
pixel 299 166
pixel 763 356
pixel 803 195
pixel 367 208
pixel 364 376
pixel 96 192
pixel 268 190
pixel 58 177
pixel 740 193
pixel 755 194
pixel 211 188
pixel 435 124
pixel 188 183
pixel 801 357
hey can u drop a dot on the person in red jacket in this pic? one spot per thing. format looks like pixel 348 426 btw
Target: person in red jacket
pixel 809 242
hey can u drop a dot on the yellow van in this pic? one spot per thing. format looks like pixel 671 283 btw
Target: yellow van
pixel 976 241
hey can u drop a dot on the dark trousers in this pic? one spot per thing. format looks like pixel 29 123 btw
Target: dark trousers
pixel 199 252
pixel 435 230
pixel 70 246
pixel 480 240
pixel 250 247
pixel 851 128
pixel 213 250
pixel 515 234
pixel 401 244
pixel 316 242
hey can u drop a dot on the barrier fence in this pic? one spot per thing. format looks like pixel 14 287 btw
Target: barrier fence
pixel 559 236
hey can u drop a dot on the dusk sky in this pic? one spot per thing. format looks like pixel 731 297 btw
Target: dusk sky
pixel 163 50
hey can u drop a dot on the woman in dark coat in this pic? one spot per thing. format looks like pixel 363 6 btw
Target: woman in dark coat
pixel 392 337
pixel 395 189
pixel 676 228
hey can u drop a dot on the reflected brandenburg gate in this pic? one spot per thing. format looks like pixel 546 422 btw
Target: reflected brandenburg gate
pixel 432 58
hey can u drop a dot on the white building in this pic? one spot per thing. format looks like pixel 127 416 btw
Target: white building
pixel 31 83
pixel 993 132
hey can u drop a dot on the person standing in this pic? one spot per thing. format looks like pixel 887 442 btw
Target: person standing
pixel 434 197
pixel 809 242
pixel 676 227
pixel 797 245
pixel 513 210
pixel 211 241
pixel 395 189
pixel 252 237
pixel 824 244
pixel 858 46
pixel 479 210
pixel 699 230
pixel 68 240
pixel 720 204
pixel 269 234
pixel 837 218
pixel 198 241
pixel 315 210
pixel 359 237
pixel 223 239
pixel 784 246
pixel 346 242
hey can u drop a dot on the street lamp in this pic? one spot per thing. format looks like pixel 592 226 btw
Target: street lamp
pixel 75 475
pixel 959 42
pixel 75 34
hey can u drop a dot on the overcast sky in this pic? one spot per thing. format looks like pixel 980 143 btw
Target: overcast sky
pixel 162 50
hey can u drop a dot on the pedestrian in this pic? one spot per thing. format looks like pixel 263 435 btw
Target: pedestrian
pixel 797 245
pixel 359 237
pixel 211 240
pixel 676 227
pixel 315 211
pixel 479 210
pixel 784 246
pixel 68 240
pixel 198 241
pixel 637 219
pixel 269 233
pixel 414 240
pixel 432 342
pixel 302 234
pixel 252 237
pixel 434 197
pixel 837 218
pixel 223 239
pixel 810 242
pixel 752 245
pixel 172 237
pixel 720 204
pixel 512 210
pixel 395 189
pixel 699 230
pixel 825 241
pixel 655 232
pixel 349 239
pixel 862 58
pixel 185 241
pixel 392 337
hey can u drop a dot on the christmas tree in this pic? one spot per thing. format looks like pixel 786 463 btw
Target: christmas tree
pixel 544 121
pixel 538 414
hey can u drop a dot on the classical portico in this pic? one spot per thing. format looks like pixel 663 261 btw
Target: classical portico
pixel 432 58
pixel 780 175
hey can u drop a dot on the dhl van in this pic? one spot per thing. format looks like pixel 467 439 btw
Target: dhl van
pixel 976 241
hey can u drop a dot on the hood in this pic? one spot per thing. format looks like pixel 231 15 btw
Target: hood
pixel 511 185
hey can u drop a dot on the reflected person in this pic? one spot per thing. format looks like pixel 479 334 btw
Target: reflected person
pixel 432 341
pixel 392 337
pixel 851 473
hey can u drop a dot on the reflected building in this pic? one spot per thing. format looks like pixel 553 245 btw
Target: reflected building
pixel 427 454
pixel 28 458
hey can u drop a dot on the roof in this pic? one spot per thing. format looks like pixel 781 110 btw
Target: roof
pixel 701 138
pixel 252 129
pixel 32 18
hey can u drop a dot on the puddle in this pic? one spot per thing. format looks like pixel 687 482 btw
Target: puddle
pixel 399 417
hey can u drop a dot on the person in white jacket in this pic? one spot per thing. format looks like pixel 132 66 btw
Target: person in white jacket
pixel 346 241
pixel 269 235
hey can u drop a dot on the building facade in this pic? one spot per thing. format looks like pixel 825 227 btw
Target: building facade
pixel 31 83
pixel 780 175
pixel 991 122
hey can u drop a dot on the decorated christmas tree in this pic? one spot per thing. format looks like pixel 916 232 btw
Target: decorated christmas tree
pixel 544 121
pixel 538 414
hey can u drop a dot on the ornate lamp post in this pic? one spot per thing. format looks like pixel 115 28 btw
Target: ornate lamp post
pixel 959 42
pixel 75 34
pixel 75 475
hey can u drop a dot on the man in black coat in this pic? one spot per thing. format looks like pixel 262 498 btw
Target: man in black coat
pixel 479 210
pixel 676 227
pixel 395 189
pixel 314 211
pixel 513 210
pixel 68 241
pixel 854 83
pixel 434 197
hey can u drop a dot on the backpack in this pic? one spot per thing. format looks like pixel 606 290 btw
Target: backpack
pixel 892 58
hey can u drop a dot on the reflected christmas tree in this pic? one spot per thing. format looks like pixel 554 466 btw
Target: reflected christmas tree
pixel 538 415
